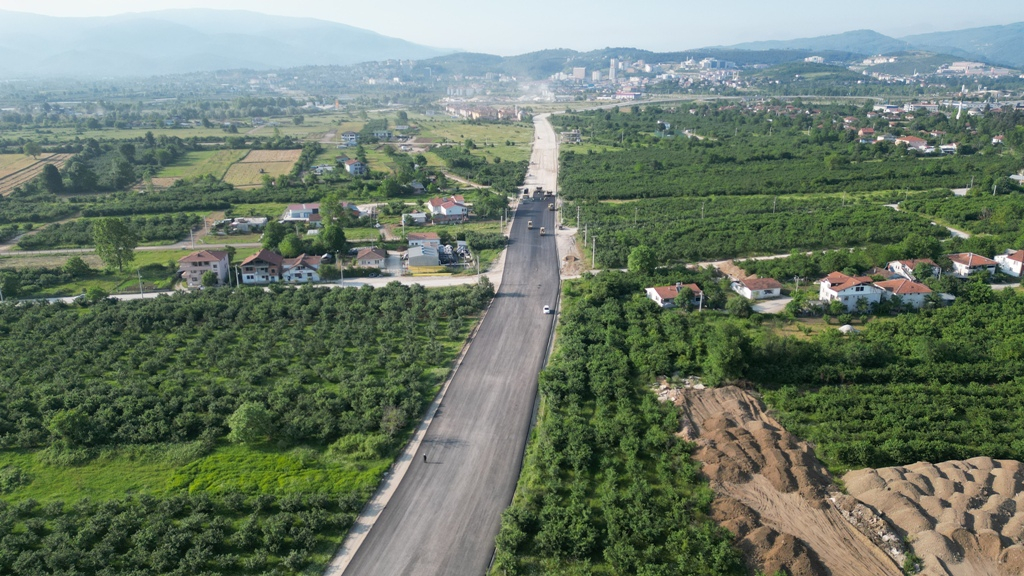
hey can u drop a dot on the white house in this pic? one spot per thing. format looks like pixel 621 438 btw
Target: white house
pixel 300 212
pixel 417 187
pixel 452 209
pixel 371 258
pixel 196 264
pixel 912 142
pixel 757 288
pixel 249 224
pixel 302 268
pixel 430 239
pixel 1012 262
pixel 665 296
pixel 350 138
pixel 417 217
pixel 262 267
pixel 967 263
pixel 911 293
pixel 355 167
pixel 906 268
pixel 382 134
pixel 849 290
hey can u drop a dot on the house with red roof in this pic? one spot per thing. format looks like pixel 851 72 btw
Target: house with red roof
pixel 967 263
pixel 665 296
pixel 1012 262
pixel 757 288
pixel 912 142
pixel 906 268
pixel 849 290
pixel 450 209
pixel 193 266
pixel 262 267
pixel 355 167
pixel 302 268
pixel 910 293
pixel 371 258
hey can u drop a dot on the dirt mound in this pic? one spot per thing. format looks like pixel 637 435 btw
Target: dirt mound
pixel 964 518
pixel 773 494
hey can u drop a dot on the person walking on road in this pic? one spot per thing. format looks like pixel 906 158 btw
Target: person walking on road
pixel 424 456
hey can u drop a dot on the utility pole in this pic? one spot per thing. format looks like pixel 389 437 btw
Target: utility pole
pixel 702 209
pixel 994 189
pixel 584 234
pixel 192 236
pixel 635 209
pixel 1 295
pixel 593 254
pixel 577 217
pixel 774 202
pixel 141 293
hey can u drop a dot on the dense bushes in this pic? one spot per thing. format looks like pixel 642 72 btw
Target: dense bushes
pixel 502 176
pixel 693 229
pixel 167 228
pixel 324 362
pixel 195 534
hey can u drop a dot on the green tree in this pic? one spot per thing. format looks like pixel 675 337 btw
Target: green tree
pixel 642 260
pixel 115 242
pixel 726 353
pixel 76 267
pixel 73 426
pixel 273 234
pixel 251 423
pixel 52 181
pixel 739 307
pixel 298 120
pixel 330 239
pixel 32 149
pixel 81 178
pixel 291 246
pixel 210 279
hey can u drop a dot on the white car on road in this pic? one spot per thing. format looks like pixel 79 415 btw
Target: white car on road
pixel 547 309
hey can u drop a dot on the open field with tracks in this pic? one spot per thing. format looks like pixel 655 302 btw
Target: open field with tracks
pixel 16 170
pixel 214 162
pixel 249 171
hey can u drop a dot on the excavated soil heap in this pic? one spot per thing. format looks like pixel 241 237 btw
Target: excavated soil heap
pixel 773 494
pixel 963 518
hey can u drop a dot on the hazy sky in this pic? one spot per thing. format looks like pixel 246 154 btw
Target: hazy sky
pixel 520 26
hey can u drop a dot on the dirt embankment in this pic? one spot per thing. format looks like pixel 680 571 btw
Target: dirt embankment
pixel 963 518
pixel 772 492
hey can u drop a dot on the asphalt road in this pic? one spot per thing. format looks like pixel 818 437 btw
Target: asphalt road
pixel 443 517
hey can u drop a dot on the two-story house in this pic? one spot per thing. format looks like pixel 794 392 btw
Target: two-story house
pixel 355 167
pixel 196 264
pixel 451 209
pixel 1012 262
pixel 262 267
pixel 302 268
pixel 300 212
pixel 849 290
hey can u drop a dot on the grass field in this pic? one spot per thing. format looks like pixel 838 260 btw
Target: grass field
pixel 215 162
pixel 268 209
pixel 17 169
pixel 249 171
pixel 519 137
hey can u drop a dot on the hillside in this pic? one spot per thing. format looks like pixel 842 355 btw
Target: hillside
pixel 180 41
pixel 995 44
pixel 857 41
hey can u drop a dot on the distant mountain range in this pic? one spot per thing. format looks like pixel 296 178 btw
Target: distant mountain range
pixel 200 40
pixel 992 44
pixel 182 41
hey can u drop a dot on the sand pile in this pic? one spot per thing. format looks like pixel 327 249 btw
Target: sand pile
pixel 963 518
pixel 773 494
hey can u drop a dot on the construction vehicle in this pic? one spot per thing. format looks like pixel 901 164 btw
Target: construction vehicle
pixel 529 225
pixel 541 230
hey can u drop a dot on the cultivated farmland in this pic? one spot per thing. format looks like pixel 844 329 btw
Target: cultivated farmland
pixel 214 162
pixel 249 171
pixel 16 169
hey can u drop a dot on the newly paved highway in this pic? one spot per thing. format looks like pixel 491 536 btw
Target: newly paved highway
pixel 445 513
